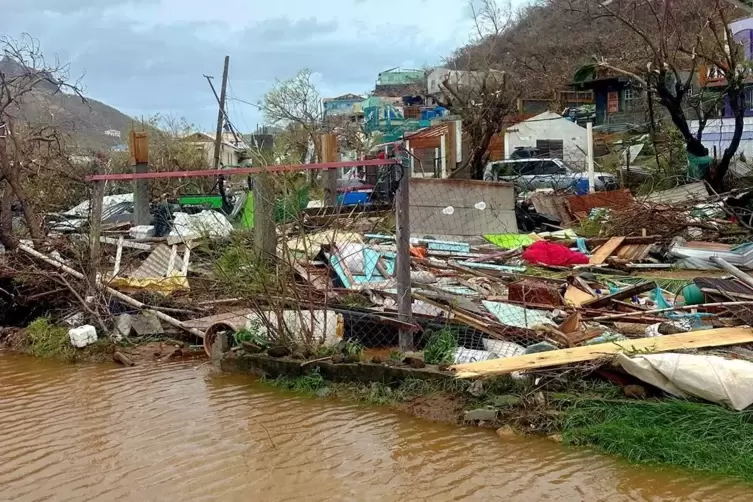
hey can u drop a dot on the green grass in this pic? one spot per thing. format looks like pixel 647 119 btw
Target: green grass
pixel 368 393
pixel 697 436
pixel 306 384
pixel 46 340
pixel 441 346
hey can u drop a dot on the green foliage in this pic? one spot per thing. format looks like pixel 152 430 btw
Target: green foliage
pixel 239 270
pixel 353 348
pixel 355 300
pixel 376 393
pixel 588 228
pixel 44 339
pixel 306 384
pixel 697 436
pixel 440 347
pixel 251 336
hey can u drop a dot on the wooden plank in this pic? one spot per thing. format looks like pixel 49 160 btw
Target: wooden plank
pixel 621 295
pixel 483 325
pixel 576 297
pixel 138 147
pixel 692 340
pixel 606 250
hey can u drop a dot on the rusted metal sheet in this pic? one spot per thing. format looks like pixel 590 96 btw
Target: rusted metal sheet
pixel 529 292
pixel 555 205
pixel 581 205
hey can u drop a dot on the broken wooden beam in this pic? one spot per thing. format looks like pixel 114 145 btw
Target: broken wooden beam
pixel 620 295
pixel 692 340
pixel 606 250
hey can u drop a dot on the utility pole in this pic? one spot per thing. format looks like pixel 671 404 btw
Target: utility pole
pixel 221 115
pixel 220 122
pixel 590 157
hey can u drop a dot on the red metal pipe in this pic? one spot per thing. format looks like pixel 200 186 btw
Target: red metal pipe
pixel 239 170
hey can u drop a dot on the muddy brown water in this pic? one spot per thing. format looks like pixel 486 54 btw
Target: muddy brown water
pixel 176 432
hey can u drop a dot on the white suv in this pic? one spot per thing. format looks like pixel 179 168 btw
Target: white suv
pixel 530 174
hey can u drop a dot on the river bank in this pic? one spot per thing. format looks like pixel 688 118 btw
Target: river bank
pixel 45 340
pixel 630 423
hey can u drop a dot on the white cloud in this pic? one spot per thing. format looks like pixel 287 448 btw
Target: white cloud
pixel 146 56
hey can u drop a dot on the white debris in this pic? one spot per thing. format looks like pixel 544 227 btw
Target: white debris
pixel 141 232
pixel 82 210
pixel 207 223
pixel 713 378
pixel 461 355
pixel 83 336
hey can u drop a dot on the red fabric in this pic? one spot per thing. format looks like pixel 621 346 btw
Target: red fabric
pixel 549 253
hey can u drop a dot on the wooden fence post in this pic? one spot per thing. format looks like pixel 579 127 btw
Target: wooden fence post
pixel 138 144
pixel 265 233
pixel 95 231
pixel 330 154
pixel 402 266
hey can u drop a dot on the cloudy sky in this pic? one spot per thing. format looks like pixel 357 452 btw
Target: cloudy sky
pixel 148 56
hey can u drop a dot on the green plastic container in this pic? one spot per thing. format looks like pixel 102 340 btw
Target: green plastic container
pixel 211 201
pixel 693 295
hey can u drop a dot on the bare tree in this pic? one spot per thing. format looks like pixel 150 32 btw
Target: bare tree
pixel 476 89
pixel 23 72
pixel 665 45
pixel 296 103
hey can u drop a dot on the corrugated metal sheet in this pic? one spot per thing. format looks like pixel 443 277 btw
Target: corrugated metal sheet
pixel 684 193
pixel 156 264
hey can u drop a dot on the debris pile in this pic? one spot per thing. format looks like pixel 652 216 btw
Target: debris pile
pixel 314 283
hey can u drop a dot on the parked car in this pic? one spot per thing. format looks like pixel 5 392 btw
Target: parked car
pixel 525 152
pixel 530 174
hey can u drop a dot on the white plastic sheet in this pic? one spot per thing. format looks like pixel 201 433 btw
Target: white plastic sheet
pixel 722 381
pixel 207 223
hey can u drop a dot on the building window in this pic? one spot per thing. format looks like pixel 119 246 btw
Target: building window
pixel 748 97
pixel 632 98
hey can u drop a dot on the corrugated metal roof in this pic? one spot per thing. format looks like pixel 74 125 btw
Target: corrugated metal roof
pixel 430 132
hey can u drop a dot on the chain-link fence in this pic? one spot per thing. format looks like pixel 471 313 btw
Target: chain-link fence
pixel 369 257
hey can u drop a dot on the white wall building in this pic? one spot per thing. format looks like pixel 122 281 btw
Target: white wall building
pixel 550 132
pixel 230 153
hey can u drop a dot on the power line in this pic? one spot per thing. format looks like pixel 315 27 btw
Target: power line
pixel 247 103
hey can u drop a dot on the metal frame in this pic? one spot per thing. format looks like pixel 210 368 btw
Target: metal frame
pixel 240 170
